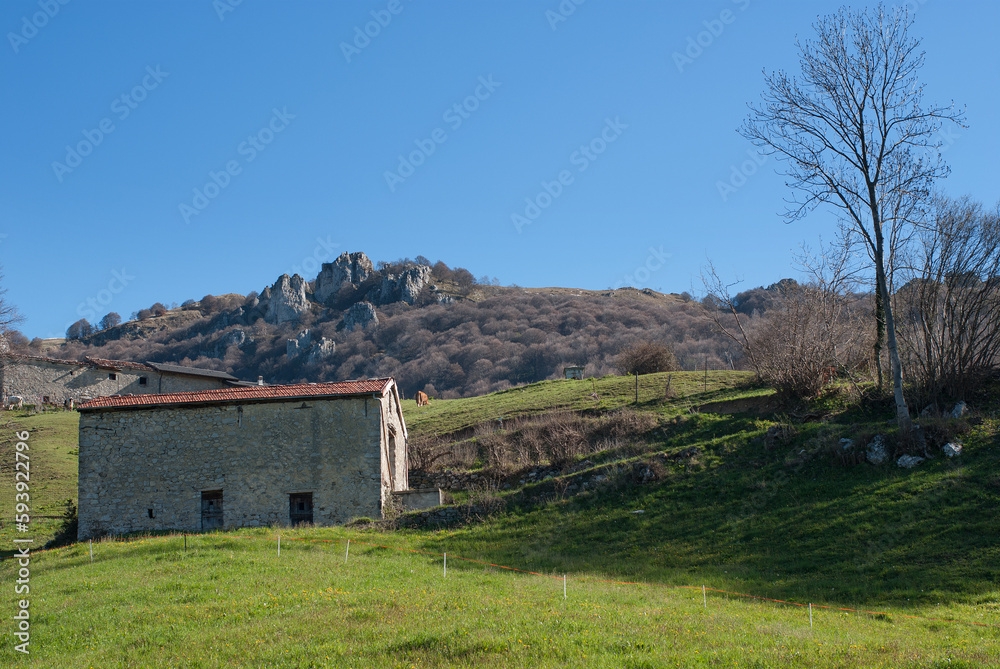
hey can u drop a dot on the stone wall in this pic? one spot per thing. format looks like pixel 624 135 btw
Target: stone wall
pixel 422 498
pixel 35 380
pixel 165 382
pixel 447 479
pixel 163 458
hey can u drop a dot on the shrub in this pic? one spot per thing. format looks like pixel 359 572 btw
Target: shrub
pixel 647 358
pixel 210 304
pixel 808 334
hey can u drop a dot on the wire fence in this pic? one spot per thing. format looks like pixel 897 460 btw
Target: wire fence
pixel 564 578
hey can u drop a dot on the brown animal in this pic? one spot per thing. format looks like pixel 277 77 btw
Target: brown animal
pixel 422 399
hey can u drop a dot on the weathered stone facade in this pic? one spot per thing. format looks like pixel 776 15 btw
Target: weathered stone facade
pixel 36 378
pixel 147 463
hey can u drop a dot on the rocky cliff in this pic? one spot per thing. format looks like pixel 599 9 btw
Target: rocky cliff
pixel 350 268
pixel 285 300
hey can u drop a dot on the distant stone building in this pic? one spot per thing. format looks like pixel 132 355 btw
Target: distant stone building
pixel 53 381
pixel 574 372
pixel 253 456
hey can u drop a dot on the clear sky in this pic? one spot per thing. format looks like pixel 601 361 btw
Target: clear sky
pixel 159 151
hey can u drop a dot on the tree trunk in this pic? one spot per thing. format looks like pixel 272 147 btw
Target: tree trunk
pixel 896 368
pixel 879 331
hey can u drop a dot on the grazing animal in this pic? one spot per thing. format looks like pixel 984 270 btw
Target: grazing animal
pixel 15 401
pixel 68 403
pixel 422 399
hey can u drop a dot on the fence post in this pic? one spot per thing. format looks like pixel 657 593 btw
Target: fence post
pixel 564 586
pixel 704 597
pixel 445 565
pixel 185 543
pixel 279 545
pixel 91 550
pixel 348 551
pixel 810 615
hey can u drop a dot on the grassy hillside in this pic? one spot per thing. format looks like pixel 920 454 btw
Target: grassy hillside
pixel 787 517
pixel 53 472
pixel 731 502
pixel 687 390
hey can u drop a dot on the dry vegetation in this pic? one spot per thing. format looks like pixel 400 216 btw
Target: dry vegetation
pixel 555 439
pixel 492 340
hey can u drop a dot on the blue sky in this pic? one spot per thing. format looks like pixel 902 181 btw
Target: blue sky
pixel 229 143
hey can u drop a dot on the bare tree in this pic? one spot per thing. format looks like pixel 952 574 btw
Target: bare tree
pixel 79 330
pixel 9 317
pixel 810 332
pixel 853 133
pixel 950 306
pixel 110 320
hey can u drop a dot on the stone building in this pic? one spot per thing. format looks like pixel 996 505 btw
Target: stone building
pixel 50 380
pixel 253 456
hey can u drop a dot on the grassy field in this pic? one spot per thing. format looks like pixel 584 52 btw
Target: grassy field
pixel 53 472
pixel 230 600
pixel 687 389
pixel 729 508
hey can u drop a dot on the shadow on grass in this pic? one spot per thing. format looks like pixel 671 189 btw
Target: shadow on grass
pixel 802 530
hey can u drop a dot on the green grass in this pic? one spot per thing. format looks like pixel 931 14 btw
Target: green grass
pixel 688 389
pixel 53 472
pixel 782 521
pixel 231 601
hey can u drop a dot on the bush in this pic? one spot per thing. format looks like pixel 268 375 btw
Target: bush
pixel 210 304
pixel 646 358
pixel 809 333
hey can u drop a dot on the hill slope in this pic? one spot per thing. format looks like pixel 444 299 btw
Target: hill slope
pixel 432 329
pixel 732 503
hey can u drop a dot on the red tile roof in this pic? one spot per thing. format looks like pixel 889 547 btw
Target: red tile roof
pixel 247 394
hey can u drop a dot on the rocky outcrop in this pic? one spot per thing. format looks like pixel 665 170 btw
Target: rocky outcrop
pixel 351 268
pixel 361 314
pixel 284 301
pixel 405 286
pixel 313 351
pixel 297 346
pixel 321 350
pixel 235 337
